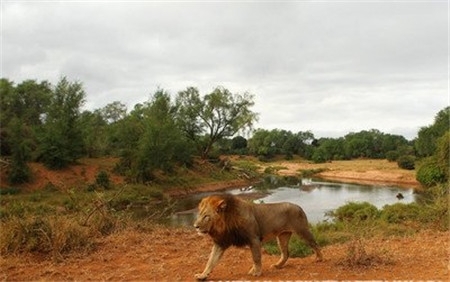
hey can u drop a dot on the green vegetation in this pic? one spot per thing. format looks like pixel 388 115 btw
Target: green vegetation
pixel 159 141
pixel 406 162
pixel 45 123
pixel 434 169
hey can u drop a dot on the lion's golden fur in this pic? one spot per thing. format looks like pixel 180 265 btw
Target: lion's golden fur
pixel 230 220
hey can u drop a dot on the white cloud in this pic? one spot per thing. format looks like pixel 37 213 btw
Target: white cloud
pixel 329 67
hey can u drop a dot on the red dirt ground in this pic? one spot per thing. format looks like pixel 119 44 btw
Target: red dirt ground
pixel 166 254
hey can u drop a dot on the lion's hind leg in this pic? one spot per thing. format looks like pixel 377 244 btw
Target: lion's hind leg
pixel 283 245
pixel 309 238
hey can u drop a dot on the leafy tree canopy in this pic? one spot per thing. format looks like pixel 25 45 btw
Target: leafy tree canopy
pixel 217 115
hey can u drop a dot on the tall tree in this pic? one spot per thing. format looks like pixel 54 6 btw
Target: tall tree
pixel 94 131
pixel 32 100
pixel 62 141
pixel 162 143
pixel 19 172
pixel 218 115
pixel 7 90
pixel 113 112
pixel 425 144
pixel 28 102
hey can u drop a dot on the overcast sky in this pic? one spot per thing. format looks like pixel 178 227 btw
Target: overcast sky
pixel 332 67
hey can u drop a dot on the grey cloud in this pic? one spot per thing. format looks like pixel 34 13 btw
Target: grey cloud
pixel 329 67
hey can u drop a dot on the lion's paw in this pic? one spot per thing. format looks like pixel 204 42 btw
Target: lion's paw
pixel 201 277
pixel 276 266
pixel 254 272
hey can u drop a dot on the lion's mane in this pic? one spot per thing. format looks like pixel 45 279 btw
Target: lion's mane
pixel 230 229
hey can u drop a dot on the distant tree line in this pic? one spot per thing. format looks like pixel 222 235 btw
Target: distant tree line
pixel 45 123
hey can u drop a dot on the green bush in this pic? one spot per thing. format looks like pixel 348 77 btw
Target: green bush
pixel 297 248
pixel 400 212
pixel 392 156
pixel 319 156
pixel 263 158
pixel 443 155
pixel 354 211
pixel 429 173
pixel 102 180
pixel 406 162
pixel 9 191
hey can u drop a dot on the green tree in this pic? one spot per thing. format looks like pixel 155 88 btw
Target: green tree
pixel 425 143
pixel 113 112
pixel 19 171
pixel 239 145
pixel 305 148
pixel 32 100
pixel 261 144
pixel 62 141
pixel 161 143
pixel 366 144
pixel 6 114
pixel 443 155
pixel 28 102
pixel 94 131
pixel 329 149
pixel 218 115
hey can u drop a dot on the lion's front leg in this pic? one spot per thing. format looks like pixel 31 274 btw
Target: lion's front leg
pixel 255 247
pixel 216 254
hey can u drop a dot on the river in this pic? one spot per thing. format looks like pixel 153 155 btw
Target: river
pixel 316 197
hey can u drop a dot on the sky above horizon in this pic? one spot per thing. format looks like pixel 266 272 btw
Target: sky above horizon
pixel 331 67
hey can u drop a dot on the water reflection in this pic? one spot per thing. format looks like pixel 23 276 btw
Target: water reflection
pixel 316 197
pixel 329 196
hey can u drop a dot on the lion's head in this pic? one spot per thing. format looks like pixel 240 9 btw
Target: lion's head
pixel 210 215
pixel 219 217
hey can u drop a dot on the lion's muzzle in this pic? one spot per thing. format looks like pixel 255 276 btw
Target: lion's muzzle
pixel 199 230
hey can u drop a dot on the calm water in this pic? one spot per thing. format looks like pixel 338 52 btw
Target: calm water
pixel 314 196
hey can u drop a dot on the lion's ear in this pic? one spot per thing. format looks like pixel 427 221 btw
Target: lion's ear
pixel 221 206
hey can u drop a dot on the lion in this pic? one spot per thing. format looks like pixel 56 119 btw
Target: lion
pixel 231 221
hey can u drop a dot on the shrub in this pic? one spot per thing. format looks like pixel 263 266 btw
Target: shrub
pixel 9 191
pixel 319 156
pixel 406 162
pixel 289 156
pixel 263 158
pixel 392 156
pixel 297 248
pixel 102 180
pixel 359 257
pixel 429 173
pixel 400 212
pixel 356 212
pixel 443 155
pixel 46 235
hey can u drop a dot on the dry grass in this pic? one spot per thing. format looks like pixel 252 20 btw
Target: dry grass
pixel 359 256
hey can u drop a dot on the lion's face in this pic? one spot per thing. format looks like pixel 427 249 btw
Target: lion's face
pixel 210 214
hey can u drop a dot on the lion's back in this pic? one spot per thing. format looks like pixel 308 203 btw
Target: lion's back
pixel 278 217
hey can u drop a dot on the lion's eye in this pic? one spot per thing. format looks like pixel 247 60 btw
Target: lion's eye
pixel 206 217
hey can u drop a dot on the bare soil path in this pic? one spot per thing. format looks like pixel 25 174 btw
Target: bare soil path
pixel 177 254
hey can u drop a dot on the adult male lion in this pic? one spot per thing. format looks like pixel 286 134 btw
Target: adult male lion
pixel 232 221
